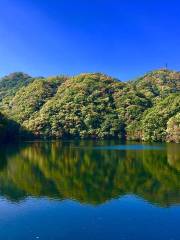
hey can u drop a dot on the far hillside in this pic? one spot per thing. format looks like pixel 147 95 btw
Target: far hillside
pixel 95 106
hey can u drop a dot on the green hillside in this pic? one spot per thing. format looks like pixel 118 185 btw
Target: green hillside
pixel 30 99
pixel 154 120
pixel 158 83
pixel 10 84
pixel 9 129
pixel 95 106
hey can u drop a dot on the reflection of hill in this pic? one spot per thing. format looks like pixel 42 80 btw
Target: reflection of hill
pixel 174 155
pixel 77 171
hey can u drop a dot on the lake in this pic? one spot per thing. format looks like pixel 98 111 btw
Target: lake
pixel 90 190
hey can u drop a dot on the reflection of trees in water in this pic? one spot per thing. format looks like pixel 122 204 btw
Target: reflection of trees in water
pixel 174 155
pixel 77 171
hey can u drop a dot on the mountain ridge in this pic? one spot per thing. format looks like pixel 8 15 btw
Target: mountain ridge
pixel 93 105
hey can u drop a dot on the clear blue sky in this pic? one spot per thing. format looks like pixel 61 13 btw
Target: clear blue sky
pixel 121 38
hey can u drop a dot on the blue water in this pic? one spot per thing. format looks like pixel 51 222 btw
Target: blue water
pixel 135 147
pixel 90 191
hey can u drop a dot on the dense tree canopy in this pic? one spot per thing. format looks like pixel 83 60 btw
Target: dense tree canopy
pixel 29 100
pixel 10 84
pixel 154 121
pixel 158 83
pixel 9 129
pixel 173 128
pixel 94 106
pixel 83 106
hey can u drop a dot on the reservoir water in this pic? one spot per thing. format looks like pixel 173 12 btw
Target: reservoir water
pixel 90 190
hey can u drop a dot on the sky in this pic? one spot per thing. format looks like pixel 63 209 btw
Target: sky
pixel 124 39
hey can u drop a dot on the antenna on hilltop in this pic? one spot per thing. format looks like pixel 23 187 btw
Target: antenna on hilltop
pixel 166 66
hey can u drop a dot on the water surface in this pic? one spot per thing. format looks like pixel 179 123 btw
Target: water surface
pixel 90 190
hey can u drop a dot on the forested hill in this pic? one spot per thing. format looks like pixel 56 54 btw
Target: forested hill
pixel 10 84
pixel 93 106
